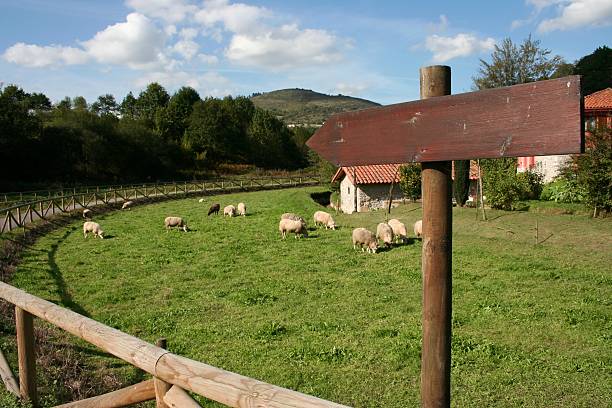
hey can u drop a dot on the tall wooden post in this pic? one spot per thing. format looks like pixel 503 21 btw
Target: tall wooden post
pixel 24 326
pixel 436 261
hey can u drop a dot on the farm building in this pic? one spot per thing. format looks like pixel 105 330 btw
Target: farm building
pixel 364 188
pixel 597 113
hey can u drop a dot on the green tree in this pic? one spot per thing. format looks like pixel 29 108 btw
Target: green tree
pixel 461 182
pixel 596 69
pixel 150 101
pixel 511 64
pixel 65 104
pixel 271 142
pixel 105 105
pixel 128 106
pixel 79 103
pixel 410 180
pixel 178 111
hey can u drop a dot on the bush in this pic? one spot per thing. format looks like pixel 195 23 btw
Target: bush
pixel 410 180
pixel 562 191
pixel 531 184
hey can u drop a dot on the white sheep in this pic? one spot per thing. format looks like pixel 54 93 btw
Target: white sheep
pixel 201 200
pixel 242 209
pixel 418 228
pixel 94 228
pixel 87 213
pixel 294 217
pixel 323 218
pixel 297 227
pixel 178 222
pixel 127 205
pixel 384 232
pixel 229 210
pixel 399 230
pixel 361 237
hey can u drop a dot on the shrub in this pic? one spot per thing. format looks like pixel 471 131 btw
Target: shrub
pixel 531 184
pixel 563 191
pixel 461 183
pixel 410 180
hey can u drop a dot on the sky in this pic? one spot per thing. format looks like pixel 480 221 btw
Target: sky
pixel 363 48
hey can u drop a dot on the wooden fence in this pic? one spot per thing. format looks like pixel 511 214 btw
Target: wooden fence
pixel 173 375
pixel 23 213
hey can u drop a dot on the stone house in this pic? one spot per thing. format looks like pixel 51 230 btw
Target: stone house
pixel 364 188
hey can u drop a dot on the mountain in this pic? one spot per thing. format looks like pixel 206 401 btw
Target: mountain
pixel 306 107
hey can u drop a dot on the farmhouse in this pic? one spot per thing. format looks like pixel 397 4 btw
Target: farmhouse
pixel 364 188
pixel 597 114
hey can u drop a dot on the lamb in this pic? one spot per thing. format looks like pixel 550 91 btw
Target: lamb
pixel 242 209
pixel 94 228
pixel 127 205
pixel 323 218
pixel 201 200
pixel 178 222
pixel 361 237
pixel 87 213
pixel 384 232
pixel 297 227
pixel 214 209
pixel 399 230
pixel 418 228
pixel 229 210
pixel 294 217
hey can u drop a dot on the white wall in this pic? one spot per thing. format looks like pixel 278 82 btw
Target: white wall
pixel 549 166
pixel 347 196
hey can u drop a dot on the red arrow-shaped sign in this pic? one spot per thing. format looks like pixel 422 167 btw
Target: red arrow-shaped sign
pixel 535 119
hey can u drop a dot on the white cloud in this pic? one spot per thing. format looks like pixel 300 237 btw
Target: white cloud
pixel 352 89
pixel 30 55
pixel 137 43
pixel 441 26
pixel 579 14
pixel 461 45
pixel 283 48
pixel 189 33
pixel 208 59
pixel 171 11
pixel 207 84
pixel 236 17
pixel 186 48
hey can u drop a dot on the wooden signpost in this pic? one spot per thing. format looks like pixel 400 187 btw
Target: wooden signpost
pixel 535 119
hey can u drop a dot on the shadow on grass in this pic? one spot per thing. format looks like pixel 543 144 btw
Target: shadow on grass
pixel 56 274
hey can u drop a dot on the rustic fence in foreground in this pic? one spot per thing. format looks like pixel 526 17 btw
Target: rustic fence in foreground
pixel 23 213
pixel 173 375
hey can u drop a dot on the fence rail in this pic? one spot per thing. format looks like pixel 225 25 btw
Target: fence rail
pixel 23 213
pixel 180 373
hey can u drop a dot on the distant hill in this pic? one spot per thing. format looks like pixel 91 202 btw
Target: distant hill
pixel 306 107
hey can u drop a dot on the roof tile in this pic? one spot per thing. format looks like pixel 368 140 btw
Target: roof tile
pixel 599 100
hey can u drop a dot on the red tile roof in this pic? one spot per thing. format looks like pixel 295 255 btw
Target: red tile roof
pixel 599 100
pixel 372 174
pixel 383 173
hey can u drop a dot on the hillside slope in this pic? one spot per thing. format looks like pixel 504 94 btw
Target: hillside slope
pixel 306 107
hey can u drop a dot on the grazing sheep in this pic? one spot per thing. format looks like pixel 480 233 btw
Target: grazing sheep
pixel 361 237
pixel 214 209
pixel 323 218
pixel 229 210
pixel 384 232
pixel 201 200
pixel 294 217
pixel 399 230
pixel 127 205
pixel 418 228
pixel 242 209
pixel 94 228
pixel 178 222
pixel 87 213
pixel 297 227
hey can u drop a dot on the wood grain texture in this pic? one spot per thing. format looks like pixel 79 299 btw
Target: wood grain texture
pixel 7 376
pixel 176 397
pixel 161 387
pixel 124 397
pixel 231 389
pixel 24 325
pixel 535 119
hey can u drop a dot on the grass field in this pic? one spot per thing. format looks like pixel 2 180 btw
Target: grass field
pixel 532 324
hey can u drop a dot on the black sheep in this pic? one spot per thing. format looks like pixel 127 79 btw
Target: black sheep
pixel 214 209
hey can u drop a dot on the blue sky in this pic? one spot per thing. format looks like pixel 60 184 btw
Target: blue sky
pixel 368 49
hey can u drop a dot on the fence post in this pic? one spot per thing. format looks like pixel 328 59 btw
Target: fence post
pixel 24 324
pixel 161 387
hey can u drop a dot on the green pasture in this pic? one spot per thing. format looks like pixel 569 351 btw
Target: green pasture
pixel 532 324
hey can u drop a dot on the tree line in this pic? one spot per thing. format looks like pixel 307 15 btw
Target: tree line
pixel 149 137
